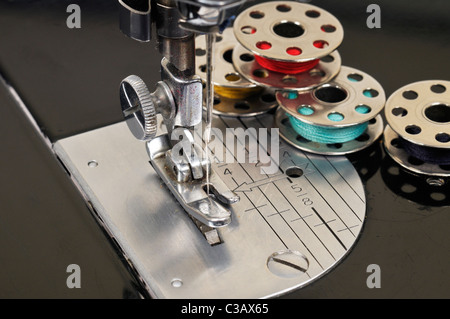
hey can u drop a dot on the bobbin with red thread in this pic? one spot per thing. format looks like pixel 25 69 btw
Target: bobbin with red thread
pixel 287 45
pixel 417 136
pixel 233 94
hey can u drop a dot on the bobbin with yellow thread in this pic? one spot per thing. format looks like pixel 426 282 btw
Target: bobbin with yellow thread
pixel 336 118
pixel 233 94
pixel 287 45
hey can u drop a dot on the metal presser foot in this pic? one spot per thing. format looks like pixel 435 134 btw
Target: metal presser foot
pixel 182 166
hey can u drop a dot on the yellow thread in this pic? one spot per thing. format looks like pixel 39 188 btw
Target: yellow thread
pixel 236 93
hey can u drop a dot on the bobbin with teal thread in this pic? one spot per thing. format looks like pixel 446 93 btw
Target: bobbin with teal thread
pixel 337 114
pixel 327 135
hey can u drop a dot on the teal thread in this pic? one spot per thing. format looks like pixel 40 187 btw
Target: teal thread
pixel 327 135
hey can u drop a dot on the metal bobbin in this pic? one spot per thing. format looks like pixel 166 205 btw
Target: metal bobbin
pixel 327 68
pixel 352 98
pixel 419 113
pixel 288 32
pixel 243 97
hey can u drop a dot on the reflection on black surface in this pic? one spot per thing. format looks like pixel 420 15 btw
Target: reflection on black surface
pixel 428 191
pixel 367 161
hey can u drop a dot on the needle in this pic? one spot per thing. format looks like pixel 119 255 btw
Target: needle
pixel 210 39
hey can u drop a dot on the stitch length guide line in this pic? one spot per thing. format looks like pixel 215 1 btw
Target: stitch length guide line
pixel 288 229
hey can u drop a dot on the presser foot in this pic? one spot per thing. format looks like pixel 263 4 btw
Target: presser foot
pixel 204 200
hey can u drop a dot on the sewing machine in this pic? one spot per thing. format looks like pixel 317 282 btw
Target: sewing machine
pixel 189 226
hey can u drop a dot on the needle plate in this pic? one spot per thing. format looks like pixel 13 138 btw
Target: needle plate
pixel 288 229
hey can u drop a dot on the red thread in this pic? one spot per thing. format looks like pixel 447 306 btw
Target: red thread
pixel 286 67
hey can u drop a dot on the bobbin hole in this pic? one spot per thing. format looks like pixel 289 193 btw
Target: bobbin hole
pixel 370 93
pixel 438 113
pixel 228 56
pixel 355 77
pixel 415 161
pixel 410 95
pixel 363 109
pixel 328 28
pixel 242 106
pixel 334 146
pixel 246 57
pixel 301 139
pixel 413 129
pixel 442 137
pixel 317 73
pixel 283 8
pixel 312 13
pixel 289 79
pixel 396 142
pixel 257 14
pixel 438 88
pixel 327 59
pixel 320 44
pixel 288 29
pixel 305 110
pixel 263 45
pixel 248 30
pixel 335 116
pixel 232 77
pixel 399 111
pixel 261 73
pixel 331 94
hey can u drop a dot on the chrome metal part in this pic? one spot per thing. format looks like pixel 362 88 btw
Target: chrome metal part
pixel 187 93
pixel 309 214
pixel 284 25
pixel 192 196
pixel 191 163
pixel 224 73
pixel 245 64
pixel 420 113
pixel 373 132
pixel 354 96
pixel 135 21
pixel 225 76
pixel 206 16
pixel 398 154
pixel 140 107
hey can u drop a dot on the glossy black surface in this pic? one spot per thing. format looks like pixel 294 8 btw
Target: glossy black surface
pixel 69 78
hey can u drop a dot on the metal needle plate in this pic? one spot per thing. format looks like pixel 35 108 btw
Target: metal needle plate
pixel 288 229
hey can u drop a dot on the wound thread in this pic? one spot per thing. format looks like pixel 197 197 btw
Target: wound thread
pixel 327 135
pixel 286 67
pixel 432 155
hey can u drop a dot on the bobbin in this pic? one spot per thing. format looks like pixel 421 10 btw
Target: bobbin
pixel 327 68
pixel 349 101
pixel 418 115
pixel 242 98
pixel 291 32
pixel 287 25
